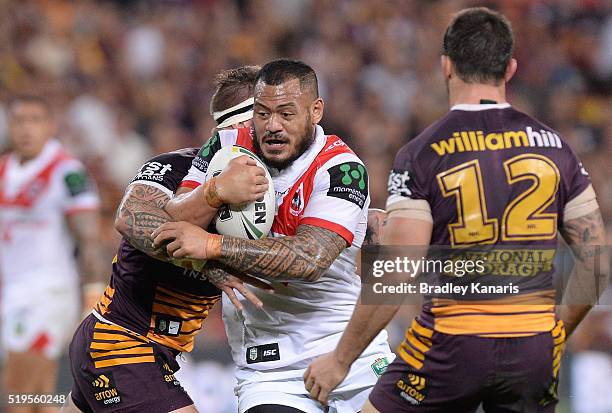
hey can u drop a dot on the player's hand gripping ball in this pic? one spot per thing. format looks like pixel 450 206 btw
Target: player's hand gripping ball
pixel 252 220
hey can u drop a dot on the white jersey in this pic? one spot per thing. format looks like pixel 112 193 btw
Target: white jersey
pixel 36 249
pixel 326 187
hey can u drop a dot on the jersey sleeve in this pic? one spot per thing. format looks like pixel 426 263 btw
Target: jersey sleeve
pixel 579 196
pixel 407 188
pixel 197 172
pixel 575 179
pixel 163 172
pixel 79 190
pixel 340 198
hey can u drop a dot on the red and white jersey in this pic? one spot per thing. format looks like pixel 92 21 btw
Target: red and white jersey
pixel 36 249
pixel 327 187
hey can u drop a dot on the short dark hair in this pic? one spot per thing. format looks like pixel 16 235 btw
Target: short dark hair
pixel 233 86
pixel 280 71
pixel 29 98
pixel 479 43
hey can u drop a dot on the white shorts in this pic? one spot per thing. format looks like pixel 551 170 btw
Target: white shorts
pixel 591 381
pixel 39 319
pixel 286 388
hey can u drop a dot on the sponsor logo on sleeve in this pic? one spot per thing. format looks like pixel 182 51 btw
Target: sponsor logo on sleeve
pixel 77 182
pixel 153 171
pixel 349 181
pixel 398 183
pixel 206 153
pixel 263 353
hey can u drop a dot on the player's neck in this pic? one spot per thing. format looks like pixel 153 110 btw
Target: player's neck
pixel 474 93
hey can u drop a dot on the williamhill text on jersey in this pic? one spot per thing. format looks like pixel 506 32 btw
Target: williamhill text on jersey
pixel 475 141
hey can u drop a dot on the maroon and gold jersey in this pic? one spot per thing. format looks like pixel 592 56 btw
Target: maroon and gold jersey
pixel 158 300
pixel 496 183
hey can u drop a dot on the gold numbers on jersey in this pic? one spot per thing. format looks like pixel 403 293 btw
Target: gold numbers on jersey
pixel 523 218
pixel 465 183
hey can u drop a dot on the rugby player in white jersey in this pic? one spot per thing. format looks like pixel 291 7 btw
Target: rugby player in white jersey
pixel 47 206
pixel 322 203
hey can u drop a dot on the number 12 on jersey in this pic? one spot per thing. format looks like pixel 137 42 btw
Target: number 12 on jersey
pixel 523 219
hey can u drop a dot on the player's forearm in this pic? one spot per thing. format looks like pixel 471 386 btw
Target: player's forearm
pixel 84 227
pixel 305 256
pixel 586 238
pixel 198 207
pixel 365 324
pixel 91 263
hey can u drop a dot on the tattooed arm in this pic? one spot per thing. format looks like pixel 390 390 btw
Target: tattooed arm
pixel 586 237
pixel 140 212
pixel 304 256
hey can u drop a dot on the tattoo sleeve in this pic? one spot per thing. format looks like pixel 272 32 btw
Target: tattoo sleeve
pixel 376 219
pixel 141 211
pixel 215 272
pixel 586 238
pixel 304 256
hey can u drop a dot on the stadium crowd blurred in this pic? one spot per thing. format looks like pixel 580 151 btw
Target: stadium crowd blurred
pixel 128 79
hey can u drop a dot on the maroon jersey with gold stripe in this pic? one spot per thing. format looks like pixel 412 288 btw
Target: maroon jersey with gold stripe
pixel 497 182
pixel 155 299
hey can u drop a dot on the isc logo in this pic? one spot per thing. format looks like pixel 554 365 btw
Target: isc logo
pixel 263 353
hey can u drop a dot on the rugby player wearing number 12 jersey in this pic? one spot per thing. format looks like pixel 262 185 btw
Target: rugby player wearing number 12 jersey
pixel 484 174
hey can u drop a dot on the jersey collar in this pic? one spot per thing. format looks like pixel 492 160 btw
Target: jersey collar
pixel 48 152
pixel 474 107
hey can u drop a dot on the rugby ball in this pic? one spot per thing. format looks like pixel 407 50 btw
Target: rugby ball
pixel 250 220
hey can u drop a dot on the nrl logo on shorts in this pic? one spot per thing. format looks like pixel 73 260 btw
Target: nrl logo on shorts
pixel 379 366
pixel 253 353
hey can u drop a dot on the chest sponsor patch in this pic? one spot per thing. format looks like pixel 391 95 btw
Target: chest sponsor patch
pixel 349 181
pixel 153 171
pixel 263 353
pixel 398 183
pixel 206 153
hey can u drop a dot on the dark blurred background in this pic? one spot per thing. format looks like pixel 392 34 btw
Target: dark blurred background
pixel 128 79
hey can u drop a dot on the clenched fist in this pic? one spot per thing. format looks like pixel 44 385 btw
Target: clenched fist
pixel 241 181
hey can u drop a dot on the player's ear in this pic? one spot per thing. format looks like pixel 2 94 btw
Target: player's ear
pixel 510 70
pixel 316 110
pixel 447 66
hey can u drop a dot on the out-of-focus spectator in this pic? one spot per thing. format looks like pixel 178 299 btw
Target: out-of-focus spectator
pixel 48 207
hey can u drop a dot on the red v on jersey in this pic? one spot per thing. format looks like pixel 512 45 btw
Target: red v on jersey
pixel 34 188
pixel 296 199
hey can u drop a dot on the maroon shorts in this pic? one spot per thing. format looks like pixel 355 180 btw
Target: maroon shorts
pixel 458 373
pixel 115 370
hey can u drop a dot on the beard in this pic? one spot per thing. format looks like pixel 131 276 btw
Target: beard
pixel 305 142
